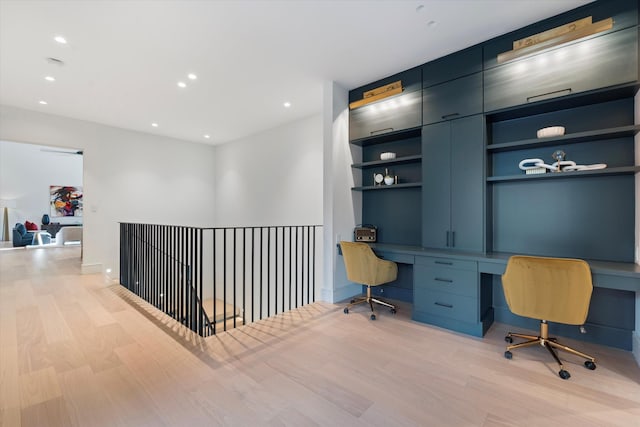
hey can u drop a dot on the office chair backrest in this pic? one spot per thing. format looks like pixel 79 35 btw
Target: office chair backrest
pixel 553 289
pixel 363 266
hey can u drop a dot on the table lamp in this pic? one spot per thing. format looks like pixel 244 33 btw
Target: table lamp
pixel 5 204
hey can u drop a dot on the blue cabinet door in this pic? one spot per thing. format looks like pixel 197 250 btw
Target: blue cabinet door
pixel 452 100
pixel 467 184
pixel 453 184
pixel 599 62
pixel 436 185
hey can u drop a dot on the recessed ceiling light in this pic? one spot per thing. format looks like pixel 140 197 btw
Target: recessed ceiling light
pixel 50 79
pixel 432 24
pixel 60 39
pixel 420 8
pixel 207 136
pixel 155 125
pixel 192 76
pixel 182 84
pixel 287 104
pixel 43 102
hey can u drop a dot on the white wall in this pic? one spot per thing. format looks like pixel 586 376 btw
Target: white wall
pixel 273 178
pixel 342 207
pixel 128 177
pixel 26 172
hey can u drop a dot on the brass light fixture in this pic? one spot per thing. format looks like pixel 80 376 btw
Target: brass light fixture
pixel 556 36
pixel 378 94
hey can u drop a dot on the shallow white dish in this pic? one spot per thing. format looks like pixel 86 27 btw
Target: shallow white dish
pixel 387 156
pixel 551 131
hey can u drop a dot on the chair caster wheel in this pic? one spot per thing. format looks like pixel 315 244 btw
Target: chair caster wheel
pixel 508 355
pixel 393 311
pixel 590 365
pixel 346 311
pixel 508 339
pixel 565 375
pixel 352 301
pixel 373 317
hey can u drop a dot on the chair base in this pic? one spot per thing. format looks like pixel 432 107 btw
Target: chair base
pixel 370 300
pixel 550 344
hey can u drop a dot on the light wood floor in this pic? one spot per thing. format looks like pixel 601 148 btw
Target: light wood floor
pixel 78 351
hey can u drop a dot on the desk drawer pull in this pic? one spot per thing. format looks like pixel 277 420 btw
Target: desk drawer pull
pixel 438 279
pixel 441 304
pixel 444 262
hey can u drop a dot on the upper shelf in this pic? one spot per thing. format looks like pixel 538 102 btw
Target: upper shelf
pixel 626 170
pixel 572 138
pixel 397 161
pixel 388 137
pixel 388 187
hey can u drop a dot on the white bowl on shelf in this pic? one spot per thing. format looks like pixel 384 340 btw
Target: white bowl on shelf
pixel 387 156
pixel 551 131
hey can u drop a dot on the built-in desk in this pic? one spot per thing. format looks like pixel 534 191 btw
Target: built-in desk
pixel 463 292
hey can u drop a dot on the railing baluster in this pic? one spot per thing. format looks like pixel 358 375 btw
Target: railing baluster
pixel 224 279
pixel 313 276
pixel 253 275
pixel 282 257
pixel 268 272
pixel 234 280
pixel 260 276
pixel 308 265
pixel 215 323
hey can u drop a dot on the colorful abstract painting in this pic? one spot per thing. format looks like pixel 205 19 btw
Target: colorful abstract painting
pixel 65 200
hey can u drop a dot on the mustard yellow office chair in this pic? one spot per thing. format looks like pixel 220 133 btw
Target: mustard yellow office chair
pixel 364 267
pixel 548 289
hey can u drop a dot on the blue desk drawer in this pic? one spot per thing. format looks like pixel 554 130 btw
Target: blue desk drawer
pixel 447 263
pixel 459 282
pixel 446 305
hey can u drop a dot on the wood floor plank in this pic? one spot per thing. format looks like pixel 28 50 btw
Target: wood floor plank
pixel 31 340
pixel 10 416
pixel 55 327
pixel 9 377
pixel 79 350
pixel 85 400
pixel 51 413
pixel 38 386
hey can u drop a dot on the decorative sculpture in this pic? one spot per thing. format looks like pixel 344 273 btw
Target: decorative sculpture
pixel 536 166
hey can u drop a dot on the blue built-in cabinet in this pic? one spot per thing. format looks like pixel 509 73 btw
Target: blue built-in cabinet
pixel 612 60
pixel 460 129
pixel 398 113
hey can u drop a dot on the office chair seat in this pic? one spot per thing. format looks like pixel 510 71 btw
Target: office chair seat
pixel 550 290
pixel 364 267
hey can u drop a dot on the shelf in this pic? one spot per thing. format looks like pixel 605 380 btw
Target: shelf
pixel 397 161
pixel 388 137
pixel 559 175
pixel 388 187
pixel 572 138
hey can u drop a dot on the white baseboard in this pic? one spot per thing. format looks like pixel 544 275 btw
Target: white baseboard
pixel 336 295
pixel 91 268
pixel 635 346
pixel 346 292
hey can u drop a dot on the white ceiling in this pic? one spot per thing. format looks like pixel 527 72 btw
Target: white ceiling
pixel 124 58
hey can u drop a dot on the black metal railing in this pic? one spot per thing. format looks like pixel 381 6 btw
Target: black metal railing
pixel 214 279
